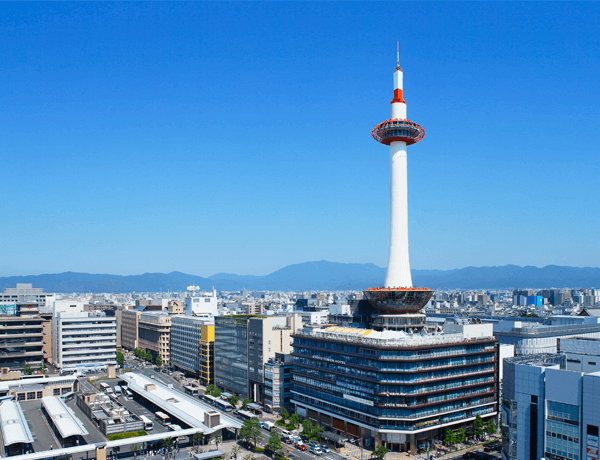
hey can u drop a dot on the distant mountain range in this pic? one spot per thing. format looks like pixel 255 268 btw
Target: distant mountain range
pixel 322 275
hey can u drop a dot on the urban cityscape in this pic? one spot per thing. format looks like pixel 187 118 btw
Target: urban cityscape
pixel 369 372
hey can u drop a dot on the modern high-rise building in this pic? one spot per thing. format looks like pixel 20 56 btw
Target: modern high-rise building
pixel 192 345
pixel 243 344
pixel 129 329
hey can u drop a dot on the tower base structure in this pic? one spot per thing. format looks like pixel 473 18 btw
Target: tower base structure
pixel 407 322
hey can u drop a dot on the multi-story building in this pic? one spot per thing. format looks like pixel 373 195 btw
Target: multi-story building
pixel 549 411
pixel 21 336
pixel 192 346
pixel 278 382
pixel 394 388
pixel 201 304
pixel 83 340
pixel 243 344
pixel 154 331
pixel 26 293
pixel 129 329
pixel 531 338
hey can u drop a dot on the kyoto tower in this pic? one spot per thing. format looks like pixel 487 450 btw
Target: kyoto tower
pixel 398 294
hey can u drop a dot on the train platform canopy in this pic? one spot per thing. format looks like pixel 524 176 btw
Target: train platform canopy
pixel 63 417
pixel 15 429
pixel 185 408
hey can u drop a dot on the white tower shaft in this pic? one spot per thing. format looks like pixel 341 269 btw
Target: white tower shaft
pixel 398 268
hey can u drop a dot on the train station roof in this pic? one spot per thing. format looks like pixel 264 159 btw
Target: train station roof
pixel 63 417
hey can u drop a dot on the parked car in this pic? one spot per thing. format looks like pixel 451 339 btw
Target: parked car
pixel 325 449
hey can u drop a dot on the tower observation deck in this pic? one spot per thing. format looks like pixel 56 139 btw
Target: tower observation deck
pixel 398 294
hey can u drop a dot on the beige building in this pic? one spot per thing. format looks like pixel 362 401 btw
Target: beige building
pixel 47 340
pixel 129 329
pixel 154 334
pixel 176 307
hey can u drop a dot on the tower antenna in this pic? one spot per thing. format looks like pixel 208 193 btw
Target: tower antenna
pixel 398 53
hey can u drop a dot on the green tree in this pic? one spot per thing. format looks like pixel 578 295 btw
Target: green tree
pixel 197 438
pixel 136 352
pixel 168 444
pixel 235 451
pixel 27 369
pixel 294 421
pixel 310 430
pixel 159 361
pixel 450 438
pixel 461 435
pixel 210 389
pixel 380 452
pixel 284 413
pixel 478 426
pixel 490 427
pixel 43 368
pixel 120 358
pixel 135 447
pixel 148 356
pixel 217 439
pixel 234 399
pixel 274 445
pixel 245 403
pixel 250 431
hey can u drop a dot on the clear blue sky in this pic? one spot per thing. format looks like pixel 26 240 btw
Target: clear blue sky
pixel 235 137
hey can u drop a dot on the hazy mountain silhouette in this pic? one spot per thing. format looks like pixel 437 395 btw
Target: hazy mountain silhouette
pixel 322 275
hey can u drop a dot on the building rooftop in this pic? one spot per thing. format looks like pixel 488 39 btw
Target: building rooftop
pixel 63 417
pixel 541 359
pixel 189 410
pixel 27 383
pixel 382 338
pixel 14 425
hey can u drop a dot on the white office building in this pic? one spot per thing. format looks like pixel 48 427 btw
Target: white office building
pixel 201 304
pixel 83 340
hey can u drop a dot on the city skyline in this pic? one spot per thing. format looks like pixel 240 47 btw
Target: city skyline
pixel 235 138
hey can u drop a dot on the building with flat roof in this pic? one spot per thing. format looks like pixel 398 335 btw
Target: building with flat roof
pixel 278 382
pixel 154 332
pixel 549 411
pixel 129 329
pixel 192 346
pixel 26 293
pixel 21 336
pixel 83 340
pixel 243 344
pixel 532 338
pixel 185 411
pixel 392 387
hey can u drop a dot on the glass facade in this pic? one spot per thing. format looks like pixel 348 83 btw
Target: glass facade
pixel 231 355
pixel 397 388
pixel 562 431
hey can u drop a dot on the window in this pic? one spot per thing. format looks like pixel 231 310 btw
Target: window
pixel 21 397
pixel 40 394
pixel 31 395
pixel 56 392
pixel 591 363
pixel 534 399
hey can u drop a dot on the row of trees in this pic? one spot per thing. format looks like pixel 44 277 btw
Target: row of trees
pixel 289 422
pixel 146 355
pixel 479 429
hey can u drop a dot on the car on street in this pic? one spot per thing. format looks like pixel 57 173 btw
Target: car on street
pixel 315 450
pixel 300 446
pixel 313 444
pixel 325 449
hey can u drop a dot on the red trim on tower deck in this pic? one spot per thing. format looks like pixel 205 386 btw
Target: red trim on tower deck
pixel 397 96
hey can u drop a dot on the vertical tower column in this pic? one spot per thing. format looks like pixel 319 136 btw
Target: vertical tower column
pixel 398 267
